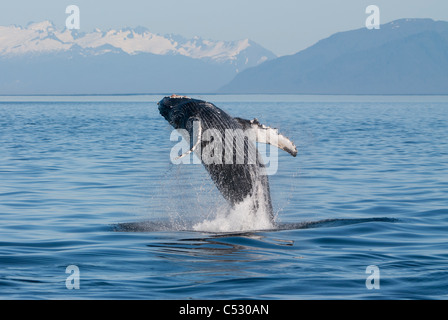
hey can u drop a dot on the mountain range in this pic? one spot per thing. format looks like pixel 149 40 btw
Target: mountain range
pixel 406 56
pixel 40 59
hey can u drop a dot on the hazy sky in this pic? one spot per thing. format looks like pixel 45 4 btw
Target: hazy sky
pixel 282 26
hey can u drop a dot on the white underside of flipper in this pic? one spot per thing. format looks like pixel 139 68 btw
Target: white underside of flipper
pixel 268 135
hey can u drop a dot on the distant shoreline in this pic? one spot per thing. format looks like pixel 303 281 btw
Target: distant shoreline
pixel 278 100
pixel 215 94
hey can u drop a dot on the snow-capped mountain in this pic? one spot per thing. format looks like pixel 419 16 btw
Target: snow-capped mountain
pixel 43 37
pixel 41 59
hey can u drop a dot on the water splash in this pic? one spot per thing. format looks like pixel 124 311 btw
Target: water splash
pixel 191 202
pixel 242 217
pixel 208 225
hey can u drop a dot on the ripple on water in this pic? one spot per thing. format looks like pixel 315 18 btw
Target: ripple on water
pixel 91 184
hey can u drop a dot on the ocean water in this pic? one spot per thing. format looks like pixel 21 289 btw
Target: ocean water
pixel 88 182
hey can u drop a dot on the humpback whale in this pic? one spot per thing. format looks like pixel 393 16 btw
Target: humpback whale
pixel 238 171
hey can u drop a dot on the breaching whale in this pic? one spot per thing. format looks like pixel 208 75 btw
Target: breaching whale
pixel 239 174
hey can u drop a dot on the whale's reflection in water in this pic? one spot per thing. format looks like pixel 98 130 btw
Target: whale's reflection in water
pixel 248 245
pixel 235 259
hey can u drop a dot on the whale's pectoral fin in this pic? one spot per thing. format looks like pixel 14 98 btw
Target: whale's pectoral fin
pixel 265 134
pixel 194 129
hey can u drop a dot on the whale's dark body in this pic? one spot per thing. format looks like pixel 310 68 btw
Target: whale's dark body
pixel 237 182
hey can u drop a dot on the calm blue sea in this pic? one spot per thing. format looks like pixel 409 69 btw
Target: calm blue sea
pixel 88 182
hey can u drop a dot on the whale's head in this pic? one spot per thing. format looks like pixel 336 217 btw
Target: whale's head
pixel 172 109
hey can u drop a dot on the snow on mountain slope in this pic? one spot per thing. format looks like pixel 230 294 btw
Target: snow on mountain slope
pixel 37 37
pixel 43 37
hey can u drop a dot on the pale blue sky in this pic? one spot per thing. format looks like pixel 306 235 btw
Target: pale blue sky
pixel 282 26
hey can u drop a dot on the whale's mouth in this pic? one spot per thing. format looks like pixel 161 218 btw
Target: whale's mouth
pixel 167 103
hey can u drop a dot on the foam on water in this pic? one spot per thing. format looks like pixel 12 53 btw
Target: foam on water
pixel 249 215
pixel 242 217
